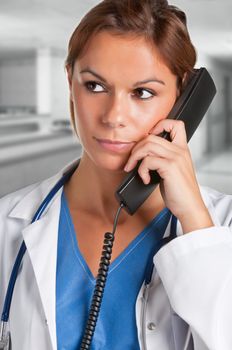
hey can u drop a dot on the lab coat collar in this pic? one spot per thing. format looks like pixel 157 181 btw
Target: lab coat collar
pixel 27 206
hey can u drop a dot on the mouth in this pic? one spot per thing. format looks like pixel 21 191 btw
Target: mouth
pixel 115 145
pixel 114 141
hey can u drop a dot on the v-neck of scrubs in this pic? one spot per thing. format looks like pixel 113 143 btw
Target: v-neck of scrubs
pixel 125 252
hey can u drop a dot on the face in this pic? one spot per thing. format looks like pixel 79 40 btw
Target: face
pixel 120 89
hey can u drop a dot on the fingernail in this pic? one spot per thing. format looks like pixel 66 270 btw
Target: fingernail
pixel 146 181
pixel 126 168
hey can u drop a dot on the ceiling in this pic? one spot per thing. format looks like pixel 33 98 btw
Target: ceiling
pixel 26 24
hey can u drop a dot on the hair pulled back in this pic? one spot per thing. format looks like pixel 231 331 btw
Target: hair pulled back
pixel 161 24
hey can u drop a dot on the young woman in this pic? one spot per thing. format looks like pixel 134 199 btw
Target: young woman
pixel 128 62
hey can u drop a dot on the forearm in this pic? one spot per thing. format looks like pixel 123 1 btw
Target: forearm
pixel 195 219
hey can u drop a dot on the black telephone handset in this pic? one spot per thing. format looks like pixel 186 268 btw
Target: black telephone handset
pixel 190 107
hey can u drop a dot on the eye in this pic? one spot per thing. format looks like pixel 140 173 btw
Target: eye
pixel 91 85
pixel 148 94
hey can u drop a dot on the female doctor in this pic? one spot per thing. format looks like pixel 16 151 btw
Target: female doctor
pixel 127 64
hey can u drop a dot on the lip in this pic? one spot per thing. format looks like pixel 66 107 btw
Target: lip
pixel 115 145
pixel 113 141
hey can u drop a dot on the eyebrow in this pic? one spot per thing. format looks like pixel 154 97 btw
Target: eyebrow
pixel 88 70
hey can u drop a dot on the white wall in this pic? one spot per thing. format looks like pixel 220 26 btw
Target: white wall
pixel 59 86
pixel 36 80
pixel 211 132
pixel 198 143
pixel 17 81
pixel 218 117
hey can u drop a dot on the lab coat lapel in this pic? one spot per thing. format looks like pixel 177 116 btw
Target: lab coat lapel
pixel 41 242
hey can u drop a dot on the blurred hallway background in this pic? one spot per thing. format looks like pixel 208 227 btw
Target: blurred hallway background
pixel 36 139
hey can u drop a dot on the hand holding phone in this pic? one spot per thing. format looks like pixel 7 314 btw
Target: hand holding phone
pixel 190 107
pixel 173 163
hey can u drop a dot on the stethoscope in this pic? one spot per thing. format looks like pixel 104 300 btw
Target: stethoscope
pixel 5 340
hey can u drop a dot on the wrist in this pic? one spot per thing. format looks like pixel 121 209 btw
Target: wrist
pixel 195 220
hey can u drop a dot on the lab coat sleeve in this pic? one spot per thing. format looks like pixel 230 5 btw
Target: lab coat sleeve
pixel 196 271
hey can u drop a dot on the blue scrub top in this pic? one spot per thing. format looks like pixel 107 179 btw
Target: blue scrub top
pixel 116 324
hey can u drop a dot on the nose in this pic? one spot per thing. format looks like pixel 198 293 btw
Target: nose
pixel 116 114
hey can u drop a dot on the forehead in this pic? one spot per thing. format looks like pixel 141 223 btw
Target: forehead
pixel 124 52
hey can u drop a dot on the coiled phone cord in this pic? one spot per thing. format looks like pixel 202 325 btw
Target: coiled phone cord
pixel 100 284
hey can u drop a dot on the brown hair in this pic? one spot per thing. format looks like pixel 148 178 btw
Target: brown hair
pixel 161 24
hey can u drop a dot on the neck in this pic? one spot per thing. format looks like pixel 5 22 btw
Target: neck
pixel 94 193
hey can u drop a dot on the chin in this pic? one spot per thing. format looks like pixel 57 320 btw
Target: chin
pixel 111 163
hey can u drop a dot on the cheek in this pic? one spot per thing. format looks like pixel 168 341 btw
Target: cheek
pixel 166 104
pixel 154 113
pixel 80 121
pixel 83 123
pixel 85 108
pixel 83 111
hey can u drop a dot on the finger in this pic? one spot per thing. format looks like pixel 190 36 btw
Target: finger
pixel 156 140
pixel 176 128
pixel 149 149
pixel 144 174
pixel 152 164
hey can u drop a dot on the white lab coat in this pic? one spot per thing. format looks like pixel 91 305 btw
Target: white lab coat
pixel 191 287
